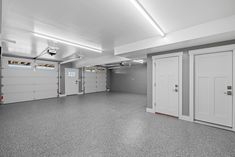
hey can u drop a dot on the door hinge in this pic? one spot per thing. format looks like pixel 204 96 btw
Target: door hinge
pixel 155 104
pixel 155 84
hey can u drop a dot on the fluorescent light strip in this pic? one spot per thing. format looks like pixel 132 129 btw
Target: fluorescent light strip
pixel 142 10
pixel 67 42
pixel 71 60
pixel 138 61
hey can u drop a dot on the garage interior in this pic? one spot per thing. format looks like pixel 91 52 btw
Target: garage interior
pixel 117 78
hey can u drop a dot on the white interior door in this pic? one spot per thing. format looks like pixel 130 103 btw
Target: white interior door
pixel 213 88
pixel 167 82
pixel 71 81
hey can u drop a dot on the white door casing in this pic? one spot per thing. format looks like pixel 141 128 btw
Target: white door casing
pixel 213 82
pixel 167 84
pixel 211 50
pixel 71 81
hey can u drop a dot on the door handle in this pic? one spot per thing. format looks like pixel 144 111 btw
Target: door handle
pixel 228 93
pixel 176 88
pixel 229 90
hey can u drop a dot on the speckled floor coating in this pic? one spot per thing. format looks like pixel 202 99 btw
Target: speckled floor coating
pixel 104 125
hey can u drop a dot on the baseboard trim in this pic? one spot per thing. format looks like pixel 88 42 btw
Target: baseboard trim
pixel 62 95
pixel 186 118
pixel 149 110
pixel 214 125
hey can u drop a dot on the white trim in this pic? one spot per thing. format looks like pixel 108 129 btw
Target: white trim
pixel 212 49
pixel 191 86
pixel 153 82
pixel 180 107
pixel 192 55
pixel 74 94
pixel 213 125
pixel 59 79
pixel 233 89
pixel 62 95
pixel 186 118
pixel 178 54
pixel 150 110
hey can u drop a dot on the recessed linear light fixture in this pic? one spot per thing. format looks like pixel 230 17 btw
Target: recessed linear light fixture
pixel 67 42
pixel 71 60
pixel 141 61
pixel 144 12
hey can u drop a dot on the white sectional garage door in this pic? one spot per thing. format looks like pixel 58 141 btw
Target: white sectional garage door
pixel 25 79
pixel 101 81
pixel 95 81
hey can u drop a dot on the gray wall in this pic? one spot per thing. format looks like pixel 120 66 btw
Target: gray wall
pixel 129 79
pixel 81 78
pixel 0 71
pixel 108 82
pixel 1 16
pixel 185 77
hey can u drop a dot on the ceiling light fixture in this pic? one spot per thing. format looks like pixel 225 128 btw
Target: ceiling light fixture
pixel 67 42
pixel 144 12
pixel 141 61
pixel 70 60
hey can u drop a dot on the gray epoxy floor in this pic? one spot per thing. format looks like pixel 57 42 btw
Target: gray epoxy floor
pixel 104 125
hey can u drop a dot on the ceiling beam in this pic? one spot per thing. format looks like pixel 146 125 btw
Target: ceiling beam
pixel 222 29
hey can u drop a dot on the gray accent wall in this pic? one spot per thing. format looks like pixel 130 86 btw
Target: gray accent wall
pixel 185 73
pixel 108 79
pixel 129 79
pixel 1 16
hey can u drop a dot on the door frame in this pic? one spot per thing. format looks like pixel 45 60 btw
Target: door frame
pixel 65 81
pixel 154 58
pixel 192 55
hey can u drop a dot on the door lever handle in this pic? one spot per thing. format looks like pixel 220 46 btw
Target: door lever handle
pixel 228 93
pixel 176 88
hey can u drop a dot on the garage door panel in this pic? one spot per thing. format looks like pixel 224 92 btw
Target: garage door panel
pixel 18 97
pixel 45 94
pixel 17 88
pixel 95 81
pixel 22 83
pixel 90 86
pixel 90 83
pixel 17 72
pixel 46 73
pixel 91 78
pixel 45 87
pixel 46 80
pixel 100 89
pixel 90 90
pixel 17 80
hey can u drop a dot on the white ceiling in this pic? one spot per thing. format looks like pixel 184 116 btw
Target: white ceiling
pixel 100 23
